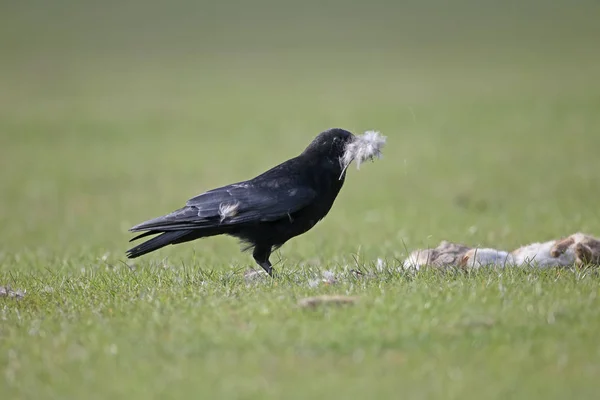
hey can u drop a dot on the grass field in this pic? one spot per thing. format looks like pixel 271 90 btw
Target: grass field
pixel 116 112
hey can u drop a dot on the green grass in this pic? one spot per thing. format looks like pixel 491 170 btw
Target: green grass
pixel 179 332
pixel 113 114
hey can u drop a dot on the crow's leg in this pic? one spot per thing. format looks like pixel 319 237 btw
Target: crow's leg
pixel 261 255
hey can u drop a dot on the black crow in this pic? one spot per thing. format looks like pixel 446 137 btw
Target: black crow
pixel 266 211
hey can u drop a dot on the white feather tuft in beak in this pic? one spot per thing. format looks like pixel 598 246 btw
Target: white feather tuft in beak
pixel 364 147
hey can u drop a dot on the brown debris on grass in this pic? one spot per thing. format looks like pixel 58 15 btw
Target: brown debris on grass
pixel 313 302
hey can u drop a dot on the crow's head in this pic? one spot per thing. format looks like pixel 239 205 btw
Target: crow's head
pixel 330 143
pixel 341 147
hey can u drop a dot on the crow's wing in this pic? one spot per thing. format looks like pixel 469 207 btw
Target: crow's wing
pixel 232 205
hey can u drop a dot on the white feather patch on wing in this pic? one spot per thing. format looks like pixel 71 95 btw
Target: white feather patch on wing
pixel 228 210
pixel 364 147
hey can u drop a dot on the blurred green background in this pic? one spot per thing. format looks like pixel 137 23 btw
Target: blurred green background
pixel 115 112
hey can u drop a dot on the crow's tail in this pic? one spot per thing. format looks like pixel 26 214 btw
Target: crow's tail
pixel 162 240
